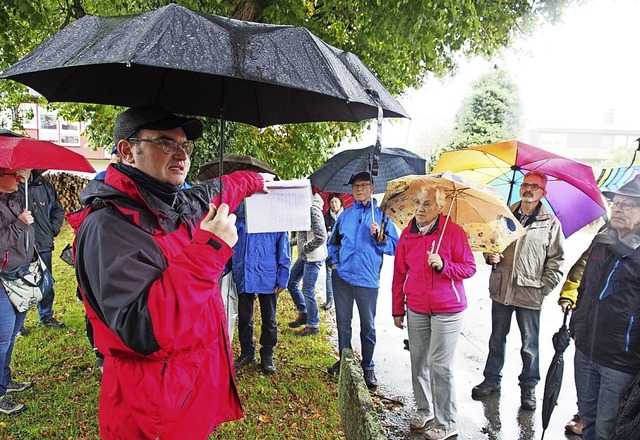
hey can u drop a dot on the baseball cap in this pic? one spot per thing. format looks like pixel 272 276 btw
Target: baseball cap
pixel 153 117
pixel 360 176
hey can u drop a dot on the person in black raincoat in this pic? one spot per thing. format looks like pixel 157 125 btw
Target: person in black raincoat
pixel 603 324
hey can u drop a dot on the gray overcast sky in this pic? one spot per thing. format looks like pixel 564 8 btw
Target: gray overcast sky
pixel 569 75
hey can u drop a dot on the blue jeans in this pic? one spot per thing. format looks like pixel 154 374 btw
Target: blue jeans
pixel 366 298
pixel 307 272
pixel 269 329
pixel 45 306
pixel 529 324
pixel 10 322
pixel 329 288
pixel 600 390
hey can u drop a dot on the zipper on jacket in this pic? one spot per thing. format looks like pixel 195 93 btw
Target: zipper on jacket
pixel 604 292
pixel 628 338
pixel 453 286
pixel 164 367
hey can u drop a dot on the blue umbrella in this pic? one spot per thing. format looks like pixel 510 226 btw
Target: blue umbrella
pixel 336 172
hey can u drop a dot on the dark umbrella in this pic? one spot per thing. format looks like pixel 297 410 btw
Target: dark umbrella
pixel 335 173
pixel 553 381
pixel 201 64
pixel 231 163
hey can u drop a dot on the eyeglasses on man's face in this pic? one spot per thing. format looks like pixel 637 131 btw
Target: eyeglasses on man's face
pixel 623 206
pixel 533 186
pixel 360 185
pixel 169 146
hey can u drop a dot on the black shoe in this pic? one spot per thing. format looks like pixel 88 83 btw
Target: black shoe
pixel 334 369
pixel 484 389
pixel 528 398
pixel 370 379
pixel 268 367
pixel 300 321
pixel 52 322
pixel 23 331
pixel 9 407
pixel 243 360
pixel 18 387
pixel 327 305
pixel 308 331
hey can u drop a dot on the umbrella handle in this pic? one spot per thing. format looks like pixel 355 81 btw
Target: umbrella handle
pixel 446 221
pixel 566 314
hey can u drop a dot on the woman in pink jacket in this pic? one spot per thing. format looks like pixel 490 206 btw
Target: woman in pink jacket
pixel 430 263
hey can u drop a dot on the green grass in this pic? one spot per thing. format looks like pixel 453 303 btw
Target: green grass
pixel 298 402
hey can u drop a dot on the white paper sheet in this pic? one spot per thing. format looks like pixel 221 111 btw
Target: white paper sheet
pixel 287 207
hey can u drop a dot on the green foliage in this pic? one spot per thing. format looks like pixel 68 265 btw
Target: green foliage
pixel 299 402
pixel 400 41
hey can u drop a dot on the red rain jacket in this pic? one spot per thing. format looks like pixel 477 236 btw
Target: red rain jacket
pixel 148 276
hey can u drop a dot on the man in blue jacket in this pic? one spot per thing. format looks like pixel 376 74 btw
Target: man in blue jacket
pixel 360 237
pixel 260 267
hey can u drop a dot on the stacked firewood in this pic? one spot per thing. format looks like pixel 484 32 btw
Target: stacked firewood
pixel 68 186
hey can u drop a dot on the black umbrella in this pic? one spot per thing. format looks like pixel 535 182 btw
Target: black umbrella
pixel 553 381
pixel 231 163
pixel 335 173
pixel 206 65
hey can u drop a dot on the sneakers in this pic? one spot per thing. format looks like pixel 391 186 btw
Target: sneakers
pixel 575 425
pixel 484 389
pixel 334 369
pixel 52 323
pixel 308 331
pixel 327 305
pixel 9 407
pixel 268 367
pixel 419 421
pixel 528 398
pixel 243 360
pixel 370 379
pixel 440 433
pixel 300 321
pixel 18 387
pixel 22 332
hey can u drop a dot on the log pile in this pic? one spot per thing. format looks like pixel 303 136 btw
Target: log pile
pixel 68 186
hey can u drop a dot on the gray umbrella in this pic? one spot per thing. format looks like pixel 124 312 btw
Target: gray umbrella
pixel 335 173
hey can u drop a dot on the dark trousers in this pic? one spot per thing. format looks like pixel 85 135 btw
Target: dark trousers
pixel 269 328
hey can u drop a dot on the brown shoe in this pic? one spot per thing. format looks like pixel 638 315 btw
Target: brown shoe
pixel 575 425
pixel 308 331
pixel 300 321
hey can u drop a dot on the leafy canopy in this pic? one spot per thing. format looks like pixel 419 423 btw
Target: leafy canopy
pixel 399 40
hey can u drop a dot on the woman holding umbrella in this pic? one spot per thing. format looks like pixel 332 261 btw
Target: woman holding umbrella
pixel 429 267
pixel 17 247
pixel 330 218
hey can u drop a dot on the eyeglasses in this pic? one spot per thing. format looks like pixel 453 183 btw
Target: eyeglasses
pixel 533 186
pixel 169 146
pixel 625 207
pixel 425 205
pixel 360 185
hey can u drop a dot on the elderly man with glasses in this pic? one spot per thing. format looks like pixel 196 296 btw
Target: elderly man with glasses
pixel 148 258
pixel 523 275
pixel 360 237
pixel 603 323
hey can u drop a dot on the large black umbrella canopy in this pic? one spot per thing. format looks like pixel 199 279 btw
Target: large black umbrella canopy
pixel 553 381
pixel 206 65
pixel 335 173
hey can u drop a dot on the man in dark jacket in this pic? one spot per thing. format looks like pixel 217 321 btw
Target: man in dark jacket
pixel 48 216
pixel 603 324
pixel 148 257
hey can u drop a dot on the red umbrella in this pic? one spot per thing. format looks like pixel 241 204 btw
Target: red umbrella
pixel 23 152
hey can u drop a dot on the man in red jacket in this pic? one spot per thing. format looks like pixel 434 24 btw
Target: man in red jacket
pixel 148 257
